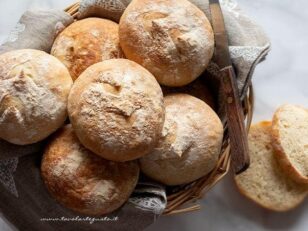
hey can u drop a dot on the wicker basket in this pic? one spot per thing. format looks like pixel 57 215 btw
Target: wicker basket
pixel 185 199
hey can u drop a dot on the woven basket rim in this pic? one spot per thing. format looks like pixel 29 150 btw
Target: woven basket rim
pixel 177 202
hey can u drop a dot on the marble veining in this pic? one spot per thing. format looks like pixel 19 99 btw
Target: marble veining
pixel 282 78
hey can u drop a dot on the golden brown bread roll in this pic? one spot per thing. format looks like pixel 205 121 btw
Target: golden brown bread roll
pixel 173 39
pixel 117 111
pixel 34 88
pixel 83 181
pixel 190 143
pixel 87 42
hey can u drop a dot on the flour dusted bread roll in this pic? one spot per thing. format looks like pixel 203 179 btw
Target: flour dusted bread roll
pixel 87 42
pixel 116 108
pixel 290 140
pixel 83 181
pixel 190 143
pixel 173 39
pixel 265 182
pixel 34 88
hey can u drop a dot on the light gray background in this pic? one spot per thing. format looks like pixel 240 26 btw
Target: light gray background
pixel 282 78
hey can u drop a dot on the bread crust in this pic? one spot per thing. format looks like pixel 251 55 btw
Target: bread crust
pixel 86 42
pixel 119 112
pixel 82 181
pixel 172 39
pixel 34 88
pixel 281 153
pixel 286 184
pixel 190 143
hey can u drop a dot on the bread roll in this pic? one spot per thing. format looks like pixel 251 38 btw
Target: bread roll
pixel 34 88
pixel 290 140
pixel 87 42
pixel 198 88
pixel 82 181
pixel 264 182
pixel 190 143
pixel 116 108
pixel 173 39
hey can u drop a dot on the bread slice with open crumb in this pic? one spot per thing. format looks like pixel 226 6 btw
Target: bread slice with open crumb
pixel 290 140
pixel 264 181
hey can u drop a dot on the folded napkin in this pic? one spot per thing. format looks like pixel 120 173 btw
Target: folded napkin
pixel 37 30
pixel 248 45
pixel 109 9
pixel 23 197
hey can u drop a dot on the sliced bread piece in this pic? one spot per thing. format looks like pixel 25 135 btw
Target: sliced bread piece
pixel 290 140
pixel 264 182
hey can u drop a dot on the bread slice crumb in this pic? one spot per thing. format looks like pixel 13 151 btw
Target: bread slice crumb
pixel 290 140
pixel 264 182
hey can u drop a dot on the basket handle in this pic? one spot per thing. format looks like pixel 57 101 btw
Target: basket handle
pixel 235 118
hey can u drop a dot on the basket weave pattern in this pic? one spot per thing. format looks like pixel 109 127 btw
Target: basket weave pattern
pixel 177 201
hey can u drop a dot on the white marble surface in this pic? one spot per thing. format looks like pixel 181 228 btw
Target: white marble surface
pixel 282 78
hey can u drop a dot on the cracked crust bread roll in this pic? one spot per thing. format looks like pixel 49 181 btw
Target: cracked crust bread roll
pixel 265 182
pixel 290 140
pixel 117 111
pixel 190 143
pixel 34 88
pixel 83 181
pixel 87 42
pixel 173 39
